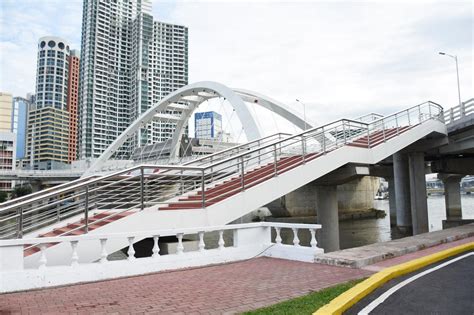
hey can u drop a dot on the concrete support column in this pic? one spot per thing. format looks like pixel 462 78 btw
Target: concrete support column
pixel 402 191
pixel 328 217
pixel 419 204
pixel 452 196
pixel 392 203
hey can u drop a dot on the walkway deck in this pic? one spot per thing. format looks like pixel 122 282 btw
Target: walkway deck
pixel 229 288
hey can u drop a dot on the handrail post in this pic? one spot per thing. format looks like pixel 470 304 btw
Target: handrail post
pixel 324 141
pixel 203 185
pixel 396 123
pixel 242 172
pixel 429 109
pixel 303 148
pixel 419 114
pixel 20 223
pixel 344 131
pixel 408 114
pixel 368 136
pixel 142 188
pixel 383 130
pixel 275 160
pixel 86 210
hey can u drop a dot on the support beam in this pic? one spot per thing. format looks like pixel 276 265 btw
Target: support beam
pixel 328 217
pixel 419 204
pixel 452 195
pixel 402 192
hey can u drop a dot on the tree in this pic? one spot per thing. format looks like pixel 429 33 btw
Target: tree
pixel 3 196
pixel 20 191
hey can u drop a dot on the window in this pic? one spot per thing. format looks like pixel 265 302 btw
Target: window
pixel 51 43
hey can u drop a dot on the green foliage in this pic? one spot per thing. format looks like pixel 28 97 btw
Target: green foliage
pixel 307 304
pixel 3 196
pixel 20 191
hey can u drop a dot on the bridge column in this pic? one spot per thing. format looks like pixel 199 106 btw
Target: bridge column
pixel 392 202
pixel 452 195
pixel 401 180
pixel 419 204
pixel 328 217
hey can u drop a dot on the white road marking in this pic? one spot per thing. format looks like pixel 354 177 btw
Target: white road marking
pixel 369 308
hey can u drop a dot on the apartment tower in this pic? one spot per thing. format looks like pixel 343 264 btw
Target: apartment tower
pixel 128 63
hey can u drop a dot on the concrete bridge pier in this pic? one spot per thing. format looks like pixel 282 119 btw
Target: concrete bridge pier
pixel 401 179
pixel 392 202
pixel 328 217
pixel 452 195
pixel 419 204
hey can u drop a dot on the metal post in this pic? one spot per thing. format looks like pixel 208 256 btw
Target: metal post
pixel 303 148
pixel 20 223
pixel 324 141
pixel 86 210
pixel 58 212
pixel 419 114
pixel 368 136
pixel 459 88
pixel 203 185
pixel 396 123
pixel 275 159
pixel 383 130
pixel 344 130
pixel 242 173
pixel 142 189
pixel 408 114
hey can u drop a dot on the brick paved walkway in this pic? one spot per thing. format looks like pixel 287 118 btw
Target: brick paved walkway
pixel 229 288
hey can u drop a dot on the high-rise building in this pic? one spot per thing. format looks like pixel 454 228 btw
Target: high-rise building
pixel 7 157
pixel 128 63
pixel 208 125
pixel 19 124
pixel 5 112
pixel 72 103
pixel 48 118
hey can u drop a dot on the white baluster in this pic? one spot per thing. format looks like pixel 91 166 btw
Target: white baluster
pixel 131 250
pixel 42 260
pixel 180 247
pixel 278 236
pixel 156 247
pixel 201 245
pixel 103 252
pixel 296 240
pixel 75 256
pixel 221 242
pixel 314 242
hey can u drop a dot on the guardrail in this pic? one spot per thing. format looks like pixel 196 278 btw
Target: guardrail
pixel 455 113
pixel 144 186
pixel 249 241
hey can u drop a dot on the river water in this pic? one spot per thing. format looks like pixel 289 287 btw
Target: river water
pixel 367 231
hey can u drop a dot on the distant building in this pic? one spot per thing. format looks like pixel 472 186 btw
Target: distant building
pixel 72 103
pixel 48 119
pixel 5 112
pixel 208 125
pixel 128 63
pixel 19 124
pixel 7 157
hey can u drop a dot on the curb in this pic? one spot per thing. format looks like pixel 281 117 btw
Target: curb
pixel 344 301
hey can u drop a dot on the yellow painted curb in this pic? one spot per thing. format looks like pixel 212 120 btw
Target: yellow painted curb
pixel 359 291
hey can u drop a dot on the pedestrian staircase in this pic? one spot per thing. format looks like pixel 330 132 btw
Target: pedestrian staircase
pixel 211 190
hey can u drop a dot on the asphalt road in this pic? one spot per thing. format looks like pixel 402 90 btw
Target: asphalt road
pixel 447 290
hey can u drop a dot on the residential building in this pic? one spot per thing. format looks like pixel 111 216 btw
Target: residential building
pixel 5 112
pixel 72 103
pixel 7 157
pixel 208 125
pixel 128 63
pixel 19 124
pixel 48 118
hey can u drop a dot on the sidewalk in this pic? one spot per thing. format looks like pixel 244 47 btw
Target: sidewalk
pixel 229 288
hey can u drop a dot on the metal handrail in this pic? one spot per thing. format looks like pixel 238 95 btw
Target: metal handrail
pixel 129 192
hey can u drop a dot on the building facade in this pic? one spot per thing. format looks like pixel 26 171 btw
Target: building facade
pixel 208 125
pixel 5 111
pixel 7 157
pixel 128 63
pixel 19 124
pixel 72 103
pixel 48 118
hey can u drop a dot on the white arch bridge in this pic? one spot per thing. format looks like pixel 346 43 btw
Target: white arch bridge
pixel 178 107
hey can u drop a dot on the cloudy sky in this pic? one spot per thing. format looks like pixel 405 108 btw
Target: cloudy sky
pixel 341 58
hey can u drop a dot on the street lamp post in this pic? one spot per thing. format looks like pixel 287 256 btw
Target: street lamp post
pixel 457 73
pixel 304 112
